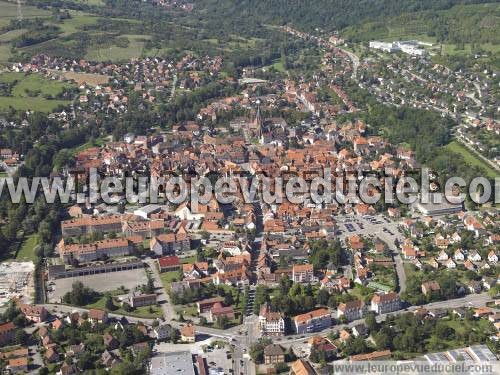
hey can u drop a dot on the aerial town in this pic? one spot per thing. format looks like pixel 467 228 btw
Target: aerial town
pixel 261 285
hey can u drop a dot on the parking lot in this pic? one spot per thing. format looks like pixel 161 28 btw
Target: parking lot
pixel 100 283
pixel 368 225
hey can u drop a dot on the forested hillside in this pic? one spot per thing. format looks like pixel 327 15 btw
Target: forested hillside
pixel 326 14
pixel 460 24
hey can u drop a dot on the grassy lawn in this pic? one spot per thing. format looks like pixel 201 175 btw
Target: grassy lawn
pixel 9 11
pixel 10 35
pixel 278 65
pixel 139 312
pixel 410 270
pixel 191 259
pixel 77 20
pixel 461 327
pixel 187 310
pixel 115 53
pixel 27 250
pixel 88 78
pixel 471 159
pixel 41 105
pixel 5 53
pixel 37 83
pixel 32 91
pixel 361 292
pixel 97 143
pixel 168 277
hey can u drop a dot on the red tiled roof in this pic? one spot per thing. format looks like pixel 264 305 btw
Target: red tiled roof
pixel 169 261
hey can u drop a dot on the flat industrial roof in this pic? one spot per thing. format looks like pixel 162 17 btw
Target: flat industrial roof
pixel 178 363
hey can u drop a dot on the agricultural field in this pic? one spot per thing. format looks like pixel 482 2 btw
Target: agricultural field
pixel 113 52
pixel 147 312
pixel 472 159
pixel 27 250
pixel 9 12
pixel 88 78
pixel 32 91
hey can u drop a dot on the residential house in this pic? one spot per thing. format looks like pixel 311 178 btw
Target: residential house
pixel 110 342
pixel 359 330
pixel 89 252
pixel 109 359
pixel 474 256
pixel 6 333
pixel 271 323
pixel 169 264
pixel 18 365
pixel 373 356
pixel 429 287
pixel 162 332
pixel 138 299
pixel 51 355
pixel 171 243
pixel 207 304
pixel 450 264
pixel 97 316
pixel 273 354
pixel 302 273
pixel 385 303
pixel 312 321
pixel 489 282
pixel 474 286
pixel 459 255
pixel 442 256
pixel 218 311
pixel 35 314
pixel 352 310
pixel 188 334
pixel 302 367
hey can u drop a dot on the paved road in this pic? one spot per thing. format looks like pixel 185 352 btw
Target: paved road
pixel 398 261
pixel 57 308
pixel 370 229
pixel 163 297
pixel 354 60
pixel 478 154
pixel 471 300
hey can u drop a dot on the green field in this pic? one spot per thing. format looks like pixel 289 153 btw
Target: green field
pixel 11 35
pixel 115 53
pixel 168 277
pixel 76 22
pixel 9 11
pixel 139 312
pixel 32 92
pixel 27 250
pixel 471 159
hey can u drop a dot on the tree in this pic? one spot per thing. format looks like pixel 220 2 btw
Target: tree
pixel 355 346
pixel 20 337
pixel 86 361
pixel 150 286
pixel 79 295
pixel 281 368
pixel 174 336
pixel 127 307
pixel 322 297
pixel 371 322
pixel 257 349
pixel 444 331
pixel 109 303
pixel 222 322
pixel 382 340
